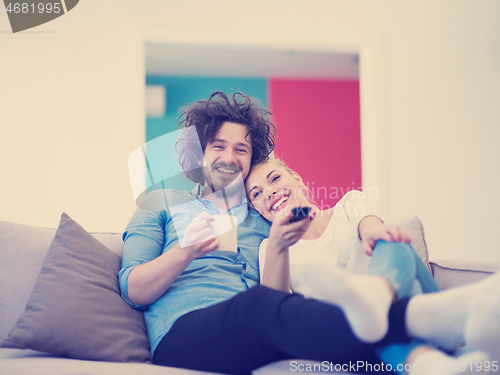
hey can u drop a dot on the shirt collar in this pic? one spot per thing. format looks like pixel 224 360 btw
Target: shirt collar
pixel 196 192
pixel 198 189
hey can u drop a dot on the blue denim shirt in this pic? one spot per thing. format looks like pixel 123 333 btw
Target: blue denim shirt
pixel 213 278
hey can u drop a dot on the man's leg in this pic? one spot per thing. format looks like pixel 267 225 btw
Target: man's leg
pixel 262 325
pixel 441 317
pixel 482 329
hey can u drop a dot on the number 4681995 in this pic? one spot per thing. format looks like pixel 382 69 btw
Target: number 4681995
pixel 477 366
pixel 31 8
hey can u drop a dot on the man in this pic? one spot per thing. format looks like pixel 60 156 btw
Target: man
pixel 204 308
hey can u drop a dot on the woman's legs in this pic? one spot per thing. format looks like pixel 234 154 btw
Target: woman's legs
pixel 262 325
pixel 403 268
pixel 365 299
pixel 399 264
pixel 395 268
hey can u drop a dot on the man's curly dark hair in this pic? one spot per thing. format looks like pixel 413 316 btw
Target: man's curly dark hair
pixel 207 116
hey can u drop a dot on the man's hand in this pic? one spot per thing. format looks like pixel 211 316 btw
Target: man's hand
pixel 198 238
pixel 372 229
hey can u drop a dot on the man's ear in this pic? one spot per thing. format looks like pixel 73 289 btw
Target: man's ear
pixel 202 162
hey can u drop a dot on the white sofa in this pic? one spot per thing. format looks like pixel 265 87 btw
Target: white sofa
pixel 74 322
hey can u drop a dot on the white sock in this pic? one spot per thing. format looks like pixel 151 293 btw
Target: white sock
pixel 440 317
pixel 482 329
pixel 434 362
pixel 365 299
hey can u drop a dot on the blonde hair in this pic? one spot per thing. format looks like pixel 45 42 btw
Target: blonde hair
pixel 307 192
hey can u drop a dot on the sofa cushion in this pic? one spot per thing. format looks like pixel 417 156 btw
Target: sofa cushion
pixel 75 309
pixel 413 226
pixel 450 273
pixel 38 364
pixel 23 250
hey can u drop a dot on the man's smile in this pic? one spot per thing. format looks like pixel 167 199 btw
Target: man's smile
pixel 226 169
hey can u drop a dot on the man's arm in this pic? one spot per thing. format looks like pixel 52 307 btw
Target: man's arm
pixel 149 281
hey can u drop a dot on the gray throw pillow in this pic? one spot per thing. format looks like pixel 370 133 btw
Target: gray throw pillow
pixel 75 309
pixel 413 226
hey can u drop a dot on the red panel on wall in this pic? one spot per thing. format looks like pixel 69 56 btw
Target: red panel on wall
pixel 318 134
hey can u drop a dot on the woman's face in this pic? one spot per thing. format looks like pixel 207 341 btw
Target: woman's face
pixel 271 188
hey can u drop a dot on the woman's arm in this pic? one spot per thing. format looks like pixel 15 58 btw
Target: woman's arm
pixel 276 271
pixel 372 229
pixel 362 213
pixel 283 234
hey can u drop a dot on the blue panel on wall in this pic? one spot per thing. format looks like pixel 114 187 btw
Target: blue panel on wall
pixel 185 90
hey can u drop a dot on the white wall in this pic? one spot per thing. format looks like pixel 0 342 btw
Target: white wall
pixel 67 126
pixel 71 104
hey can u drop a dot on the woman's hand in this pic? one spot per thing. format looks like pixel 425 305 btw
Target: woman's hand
pixel 199 239
pixel 372 229
pixel 284 234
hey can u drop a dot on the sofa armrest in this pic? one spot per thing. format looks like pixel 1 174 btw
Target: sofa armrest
pixel 450 273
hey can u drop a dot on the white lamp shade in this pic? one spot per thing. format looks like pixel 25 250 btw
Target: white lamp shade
pixel 156 100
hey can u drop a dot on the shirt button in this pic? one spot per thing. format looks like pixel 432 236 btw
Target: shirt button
pixel 206 202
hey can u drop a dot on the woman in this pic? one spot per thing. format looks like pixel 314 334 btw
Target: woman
pixel 309 257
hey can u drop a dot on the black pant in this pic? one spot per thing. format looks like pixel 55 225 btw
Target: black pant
pixel 263 325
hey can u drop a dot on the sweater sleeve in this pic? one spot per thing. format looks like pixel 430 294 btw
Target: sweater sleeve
pixel 144 239
pixel 357 205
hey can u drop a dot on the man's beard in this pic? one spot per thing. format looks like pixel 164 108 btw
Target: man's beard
pixel 215 181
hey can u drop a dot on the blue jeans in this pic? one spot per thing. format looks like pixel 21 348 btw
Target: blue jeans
pixel 408 275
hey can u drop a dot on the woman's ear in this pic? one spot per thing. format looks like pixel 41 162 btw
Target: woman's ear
pixel 298 179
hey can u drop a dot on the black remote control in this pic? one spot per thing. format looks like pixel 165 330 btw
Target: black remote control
pixel 299 213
